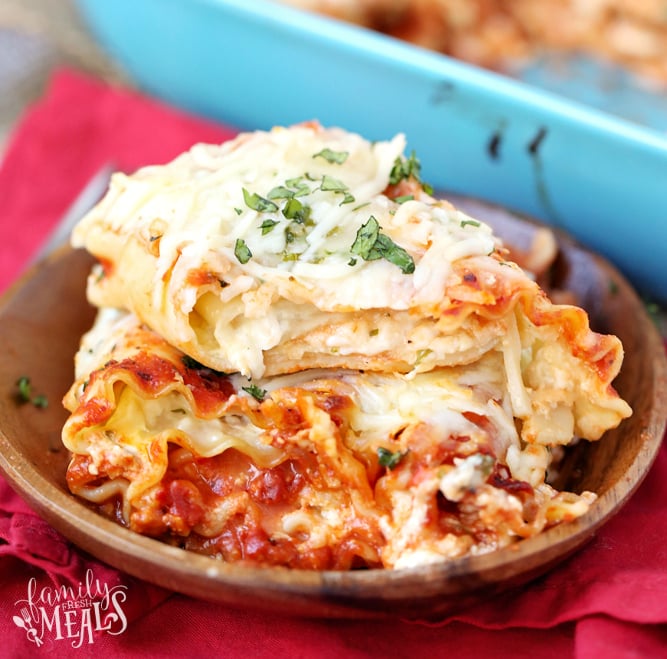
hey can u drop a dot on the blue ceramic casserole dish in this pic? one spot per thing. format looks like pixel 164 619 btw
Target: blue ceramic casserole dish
pixel 258 64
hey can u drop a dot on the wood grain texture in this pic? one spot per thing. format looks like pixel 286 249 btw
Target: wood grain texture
pixel 42 318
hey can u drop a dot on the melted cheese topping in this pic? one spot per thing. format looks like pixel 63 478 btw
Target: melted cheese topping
pixel 198 202
pixel 240 247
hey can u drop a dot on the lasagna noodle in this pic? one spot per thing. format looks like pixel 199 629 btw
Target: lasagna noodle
pixel 326 469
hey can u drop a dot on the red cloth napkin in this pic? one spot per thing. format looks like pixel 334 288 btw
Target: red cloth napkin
pixel 608 600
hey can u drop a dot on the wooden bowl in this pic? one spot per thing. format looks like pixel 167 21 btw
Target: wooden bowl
pixel 42 319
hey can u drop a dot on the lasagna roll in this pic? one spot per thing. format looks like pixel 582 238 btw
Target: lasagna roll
pixel 306 247
pixel 321 469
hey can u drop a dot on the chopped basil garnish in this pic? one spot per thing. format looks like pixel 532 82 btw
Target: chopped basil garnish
pixel 40 401
pixel 333 157
pixel 25 389
pixel 472 223
pixel 403 198
pixel 256 392
pixel 241 251
pixel 257 203
pixel 25 393
pixel 406 168
pixel 267 226
pixel 367 236
pixel 331 184
pixel 280 192
pixel 389 459
pixel 295 210
pixel 297 184
pixel 371 245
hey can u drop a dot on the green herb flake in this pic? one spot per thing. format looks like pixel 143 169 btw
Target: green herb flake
pixel 472 223
pixel 256 392
pixel 405 168
pixel 403 198
pixel 352 262
pixel 389 459
pixel 408 168
pixel 297 184
pixel 40 401
pixel 241 251
pixel 267 226
pixel 332 157
pixel 360 206
pixel 25 388
pixel 331 184
pixel 257 203
pixel 295 210
pixel 371 245
pixel 238 211
pixel 280 192
pixel 25 393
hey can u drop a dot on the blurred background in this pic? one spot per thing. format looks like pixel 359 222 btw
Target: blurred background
pixel 37 36
pixel 537 42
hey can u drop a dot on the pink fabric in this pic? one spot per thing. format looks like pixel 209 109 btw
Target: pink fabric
pixel 609 600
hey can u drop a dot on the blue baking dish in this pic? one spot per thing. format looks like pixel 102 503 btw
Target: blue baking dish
pixel 258 64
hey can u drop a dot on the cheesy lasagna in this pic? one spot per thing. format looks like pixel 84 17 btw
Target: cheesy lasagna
pixel 303 358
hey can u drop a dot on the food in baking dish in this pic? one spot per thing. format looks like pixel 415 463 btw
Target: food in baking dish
pixel 504 34
pixel 303 358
